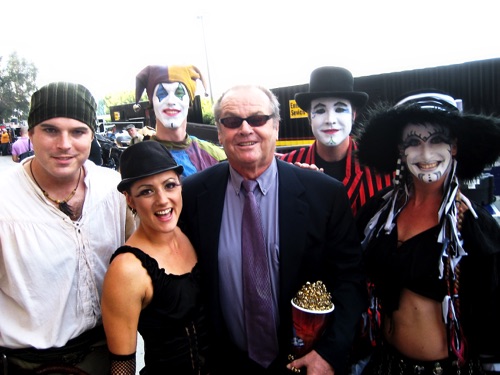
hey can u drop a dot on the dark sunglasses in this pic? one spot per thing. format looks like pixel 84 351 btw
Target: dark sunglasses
pixel 235 122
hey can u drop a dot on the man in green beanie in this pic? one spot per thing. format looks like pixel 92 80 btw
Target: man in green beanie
pixel 57 237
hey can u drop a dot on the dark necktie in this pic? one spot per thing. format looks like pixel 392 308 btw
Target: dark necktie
pixel 257 298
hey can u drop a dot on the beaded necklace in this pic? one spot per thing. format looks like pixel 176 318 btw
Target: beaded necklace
pixel 62 204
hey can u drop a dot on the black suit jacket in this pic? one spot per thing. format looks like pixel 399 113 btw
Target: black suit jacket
pixel 318 241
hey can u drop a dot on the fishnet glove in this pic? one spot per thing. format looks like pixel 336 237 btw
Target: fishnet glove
pixel 122 364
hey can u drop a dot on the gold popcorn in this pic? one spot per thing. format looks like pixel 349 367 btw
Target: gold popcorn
pixel 314 297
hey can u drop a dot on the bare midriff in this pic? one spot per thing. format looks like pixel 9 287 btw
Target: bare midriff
pixel 417 329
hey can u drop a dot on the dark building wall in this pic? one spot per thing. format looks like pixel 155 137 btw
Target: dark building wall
pixel 477 83
pixel 291 127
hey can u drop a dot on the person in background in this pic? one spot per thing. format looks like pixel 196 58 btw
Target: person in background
pixel 57 237
pixel 308 235
pixel 134 135
pixel 171 90
pixel 5 142
pixel 432 255
pixel 95 154
pixel 22 144
pixel 153 282
pixel 111 133
pixel 332 105
pixel 147 132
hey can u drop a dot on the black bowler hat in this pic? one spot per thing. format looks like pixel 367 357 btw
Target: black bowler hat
pixel 331 81
pixel 145 159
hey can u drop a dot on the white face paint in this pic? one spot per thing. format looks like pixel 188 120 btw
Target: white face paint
pixel 171 104
pixel 428 151
pixel 331 120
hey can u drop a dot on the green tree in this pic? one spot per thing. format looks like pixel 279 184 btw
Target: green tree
pixel 118 98
pixel 17 83
pixel 101 108
pixel 208 113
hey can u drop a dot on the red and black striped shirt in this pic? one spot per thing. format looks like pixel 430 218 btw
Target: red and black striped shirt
pixel 361 182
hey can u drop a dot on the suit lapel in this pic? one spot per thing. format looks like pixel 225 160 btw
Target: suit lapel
pixel 293 213
pixel 211 205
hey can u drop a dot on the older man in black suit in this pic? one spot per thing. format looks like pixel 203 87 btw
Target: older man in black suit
pixel 307 234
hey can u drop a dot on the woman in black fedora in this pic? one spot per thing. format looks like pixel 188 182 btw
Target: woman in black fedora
pixel 431 254
pixel 332 104
pixel 153 282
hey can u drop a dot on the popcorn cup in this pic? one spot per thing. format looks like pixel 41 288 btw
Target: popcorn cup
pixel 308 325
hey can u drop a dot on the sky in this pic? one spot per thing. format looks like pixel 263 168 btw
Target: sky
pixel 103 44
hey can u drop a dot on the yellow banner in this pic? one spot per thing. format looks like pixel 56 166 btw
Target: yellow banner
pixel 295 111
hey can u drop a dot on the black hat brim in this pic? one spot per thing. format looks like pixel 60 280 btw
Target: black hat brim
pixel 126 183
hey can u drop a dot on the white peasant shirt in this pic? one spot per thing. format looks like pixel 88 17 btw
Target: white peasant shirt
pixel 51 268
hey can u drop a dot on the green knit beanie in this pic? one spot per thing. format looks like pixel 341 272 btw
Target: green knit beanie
pixel 62 99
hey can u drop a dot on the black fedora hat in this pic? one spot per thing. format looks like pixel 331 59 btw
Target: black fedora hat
pixel 331 81
pixel 145 159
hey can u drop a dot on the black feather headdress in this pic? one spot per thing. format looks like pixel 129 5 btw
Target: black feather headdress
pixel 477 136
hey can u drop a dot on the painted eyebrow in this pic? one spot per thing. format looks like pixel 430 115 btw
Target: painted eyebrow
pixel 339 103
pixel 420 135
